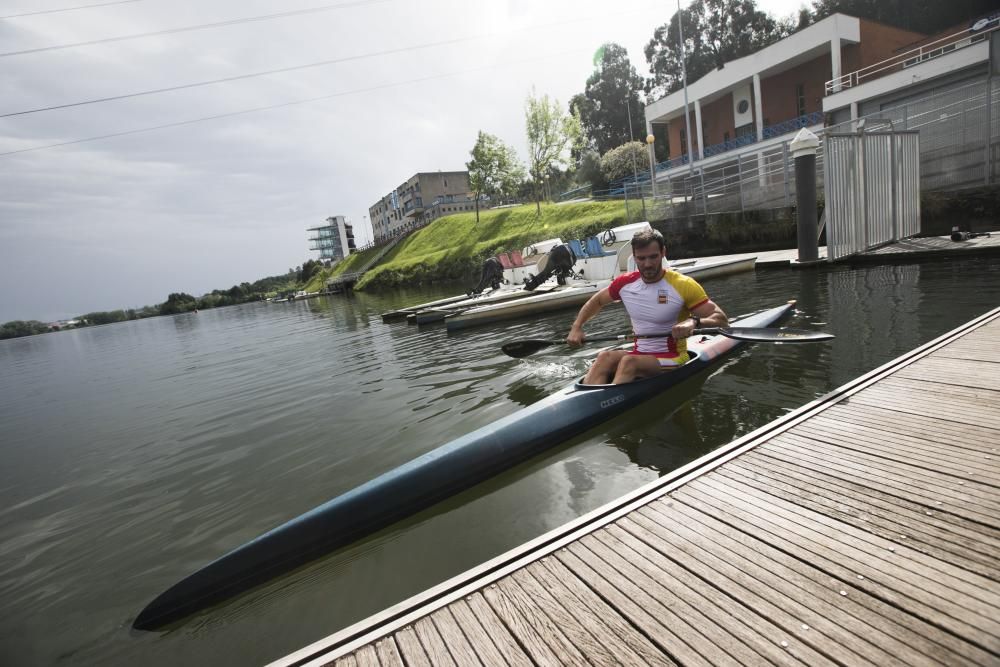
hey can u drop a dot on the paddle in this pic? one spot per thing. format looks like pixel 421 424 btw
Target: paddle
pixel 523 348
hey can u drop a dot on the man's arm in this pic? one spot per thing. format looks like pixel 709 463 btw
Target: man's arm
pixel 587 312
pixel 710 315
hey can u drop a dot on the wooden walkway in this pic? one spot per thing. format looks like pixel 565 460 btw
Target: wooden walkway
pixel 863 528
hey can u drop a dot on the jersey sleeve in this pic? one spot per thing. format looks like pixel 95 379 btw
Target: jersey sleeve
pixel 615 288
pixel 692 292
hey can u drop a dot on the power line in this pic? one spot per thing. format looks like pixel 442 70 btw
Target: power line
pixel 69 9
pixel 238 77
pixel 320 63
pixel 203 26
pixel 230 114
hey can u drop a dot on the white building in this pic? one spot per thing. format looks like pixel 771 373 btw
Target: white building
pixel 334 240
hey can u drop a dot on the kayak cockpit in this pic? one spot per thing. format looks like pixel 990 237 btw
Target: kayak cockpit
pixel 693 357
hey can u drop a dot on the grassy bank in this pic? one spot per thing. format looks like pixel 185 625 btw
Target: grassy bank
pixel 353 262
pixel 454 247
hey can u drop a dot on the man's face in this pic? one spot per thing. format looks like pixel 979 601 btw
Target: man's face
pixel 649 261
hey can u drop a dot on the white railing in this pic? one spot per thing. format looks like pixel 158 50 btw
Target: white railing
pixel 935 49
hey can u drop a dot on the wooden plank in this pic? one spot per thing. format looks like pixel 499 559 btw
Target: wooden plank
pixel 584 637
pixel 941 395
pixel 680 601
pixel 430 639
pixel 874 501
pixel 347 661
pixel 939 534
pixel 984 351
pixel 662 626
pixel 409 646
pixel 898 454
pixel 853 630
pixel 542 640
pixel 846 556
pixel 969 499
pixel 852 510
pixel 966 436
pixel 592 610
pixel 453 638
pixel 929 448
pixel 978 593
pixel 503 640
pixel 366 656
pixel 845 563
pixel 388 652
pixel 958 410
pixel 972 379
pixel 755 631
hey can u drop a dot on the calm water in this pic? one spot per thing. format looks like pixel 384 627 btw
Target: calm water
pixel 132 454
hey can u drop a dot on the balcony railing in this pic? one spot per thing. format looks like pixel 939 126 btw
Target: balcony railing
pixel 977 32
pixel 730 144
pixel 792 124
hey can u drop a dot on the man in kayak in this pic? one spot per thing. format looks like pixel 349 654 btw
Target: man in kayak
pixel 657 300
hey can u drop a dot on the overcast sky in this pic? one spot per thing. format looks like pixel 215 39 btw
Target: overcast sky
pixel 125 220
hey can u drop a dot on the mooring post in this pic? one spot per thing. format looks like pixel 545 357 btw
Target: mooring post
pixel 804 147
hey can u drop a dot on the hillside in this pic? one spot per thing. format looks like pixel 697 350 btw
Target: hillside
pixel 454 247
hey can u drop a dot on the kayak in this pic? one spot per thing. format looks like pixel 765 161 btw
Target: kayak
pixel 427 480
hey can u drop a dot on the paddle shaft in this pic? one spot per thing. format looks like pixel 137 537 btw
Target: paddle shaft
pixel 523 348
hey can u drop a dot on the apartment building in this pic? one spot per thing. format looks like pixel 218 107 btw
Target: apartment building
pixel 423 197
pixel 773 92
pixel 334 240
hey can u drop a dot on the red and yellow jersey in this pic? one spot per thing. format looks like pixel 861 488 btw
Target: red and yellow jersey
pixel 657 307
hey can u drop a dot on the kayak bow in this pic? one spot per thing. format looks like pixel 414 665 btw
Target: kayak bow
pixel 426 480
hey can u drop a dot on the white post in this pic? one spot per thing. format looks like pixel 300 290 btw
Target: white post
pixel 697 126
pixel 835 64
pixel 652 159
pixel 758 108
pixel 687 121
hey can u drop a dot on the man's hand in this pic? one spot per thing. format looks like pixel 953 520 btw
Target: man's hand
pixel 576 336
pixel 683 329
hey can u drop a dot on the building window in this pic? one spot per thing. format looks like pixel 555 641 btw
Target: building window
pixel 800 99
pixel 684 141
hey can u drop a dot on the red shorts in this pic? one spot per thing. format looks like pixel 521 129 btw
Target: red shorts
pixel 666 359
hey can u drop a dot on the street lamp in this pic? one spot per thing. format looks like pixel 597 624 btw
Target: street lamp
pixel 652 164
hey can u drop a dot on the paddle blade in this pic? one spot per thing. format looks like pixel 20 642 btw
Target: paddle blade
pixel 783 335
pixel 523 348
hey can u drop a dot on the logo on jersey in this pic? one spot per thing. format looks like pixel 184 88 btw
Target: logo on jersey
pixel 661 296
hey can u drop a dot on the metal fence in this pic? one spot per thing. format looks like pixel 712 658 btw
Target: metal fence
pixel 959 148
pixel 872 190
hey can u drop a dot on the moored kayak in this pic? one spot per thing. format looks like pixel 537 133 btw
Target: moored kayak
pixel 426 480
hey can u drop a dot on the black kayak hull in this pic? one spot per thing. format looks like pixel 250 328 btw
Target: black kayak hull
pixel 424 481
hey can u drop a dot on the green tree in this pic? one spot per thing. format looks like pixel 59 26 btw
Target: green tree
pixel 589 170
pixel 611 92
pixel 494 169
pixel 177 302
pixel 308 270
pixel 551 134
pixel 624 160
pixel 18 328
pixel 926 16
pixel 715 32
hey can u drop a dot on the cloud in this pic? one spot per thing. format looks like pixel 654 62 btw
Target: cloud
pixel 126 220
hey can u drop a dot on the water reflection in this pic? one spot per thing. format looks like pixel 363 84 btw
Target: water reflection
pixel 134 453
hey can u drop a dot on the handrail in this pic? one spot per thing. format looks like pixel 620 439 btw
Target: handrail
pixel 913 56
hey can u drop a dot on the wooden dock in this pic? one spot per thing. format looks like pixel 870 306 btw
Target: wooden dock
pixel 862 528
